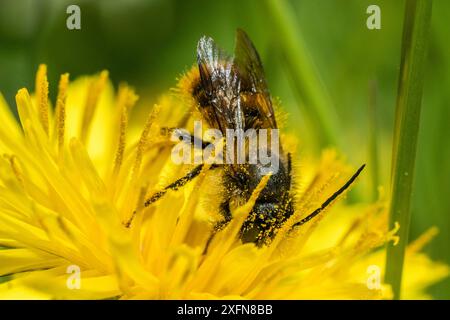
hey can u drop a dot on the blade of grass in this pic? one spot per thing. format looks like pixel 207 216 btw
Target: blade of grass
pixel 415 35
pixel 302 71
pixel 373 140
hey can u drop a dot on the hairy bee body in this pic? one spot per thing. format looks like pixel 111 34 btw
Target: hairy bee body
pixel 231 93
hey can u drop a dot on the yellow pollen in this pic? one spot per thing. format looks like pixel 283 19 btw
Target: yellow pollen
pixel 61 111
pixel 126 100
pixel 247 207
pixel 42 95
pixel 143 141
pixel 137 162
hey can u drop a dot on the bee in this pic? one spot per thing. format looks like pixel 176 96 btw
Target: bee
pixel 232 93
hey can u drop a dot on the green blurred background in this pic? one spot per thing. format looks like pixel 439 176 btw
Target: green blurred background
pixel 149 43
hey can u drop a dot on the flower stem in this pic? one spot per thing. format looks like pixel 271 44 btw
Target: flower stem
pixel 413 53
pixel 302 71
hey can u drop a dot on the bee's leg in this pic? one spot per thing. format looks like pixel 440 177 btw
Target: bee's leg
pixel 183 136
pixel 330 199
pixel 177 184
pixel 173 186
pixel 225 211
pixel 289 168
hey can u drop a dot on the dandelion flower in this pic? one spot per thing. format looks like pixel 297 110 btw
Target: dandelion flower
pixel 73 176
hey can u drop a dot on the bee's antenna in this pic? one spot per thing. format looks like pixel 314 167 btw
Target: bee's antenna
pixel 330 199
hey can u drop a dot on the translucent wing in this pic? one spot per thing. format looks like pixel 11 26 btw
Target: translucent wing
pixel 221 85
pixel 258 107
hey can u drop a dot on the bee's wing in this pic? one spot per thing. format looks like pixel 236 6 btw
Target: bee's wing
pixel 253 81
pixel 221 84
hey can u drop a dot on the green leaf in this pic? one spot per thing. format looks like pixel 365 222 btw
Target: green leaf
pixel 407 117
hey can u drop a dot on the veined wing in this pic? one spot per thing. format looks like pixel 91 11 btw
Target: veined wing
pixel 221 84
pixel 257 104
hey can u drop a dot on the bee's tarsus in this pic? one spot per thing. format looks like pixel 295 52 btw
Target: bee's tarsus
pixel 127 224
pixel 289 167
pixel 154 197
pixel 175 185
